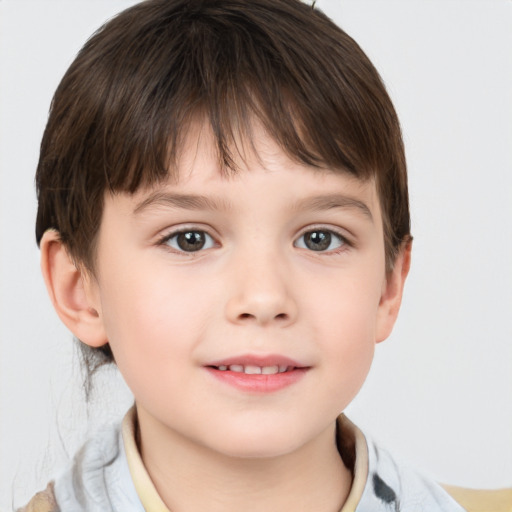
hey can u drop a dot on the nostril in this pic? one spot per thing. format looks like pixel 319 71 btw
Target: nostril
pixel 245 316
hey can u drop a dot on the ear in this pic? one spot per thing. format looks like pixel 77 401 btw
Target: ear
pixel 73 291
pixel 392 291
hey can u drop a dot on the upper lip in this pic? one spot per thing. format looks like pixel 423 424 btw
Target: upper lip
pixel 258 360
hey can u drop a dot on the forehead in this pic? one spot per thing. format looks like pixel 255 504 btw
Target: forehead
pixel 261 164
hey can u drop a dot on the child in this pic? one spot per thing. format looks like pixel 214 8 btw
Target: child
pixel 223 212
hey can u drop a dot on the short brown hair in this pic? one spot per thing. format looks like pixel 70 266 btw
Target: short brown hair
pixel 122 108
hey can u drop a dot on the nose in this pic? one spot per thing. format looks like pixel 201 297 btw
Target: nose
pixel 261 293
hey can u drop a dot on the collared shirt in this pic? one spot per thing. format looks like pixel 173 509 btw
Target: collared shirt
pixel 108 474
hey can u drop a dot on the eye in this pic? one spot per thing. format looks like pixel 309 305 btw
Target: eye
pixel 189 241
pixel 320 240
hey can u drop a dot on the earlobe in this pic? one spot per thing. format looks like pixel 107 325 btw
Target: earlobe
pixel 392 292
pixel 71 291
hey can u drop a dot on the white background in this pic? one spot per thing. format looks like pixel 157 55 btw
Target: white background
pixel 440 393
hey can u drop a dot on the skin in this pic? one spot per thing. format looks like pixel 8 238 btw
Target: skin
pixel 257 288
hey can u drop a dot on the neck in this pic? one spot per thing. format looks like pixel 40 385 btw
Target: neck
pixel 193 478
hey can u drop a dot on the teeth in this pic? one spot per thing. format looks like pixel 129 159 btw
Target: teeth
pixel 252 370
pixel 270 370
pixel 255 370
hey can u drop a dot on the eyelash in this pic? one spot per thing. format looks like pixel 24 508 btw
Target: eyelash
pixel 344 242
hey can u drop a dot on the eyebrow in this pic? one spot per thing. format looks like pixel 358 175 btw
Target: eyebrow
pixel 183 201
pixel 200 202
pixel 332 201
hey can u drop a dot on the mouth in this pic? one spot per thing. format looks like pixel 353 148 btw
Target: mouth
pixel 252 369
pixel 258 374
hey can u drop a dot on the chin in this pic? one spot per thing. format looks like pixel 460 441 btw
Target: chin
pixel 253 448
pixel 258 441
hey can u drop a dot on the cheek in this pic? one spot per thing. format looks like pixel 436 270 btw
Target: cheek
pixel 153 322
pixel 349 340
pixel 348 346
pixel 345 328
pixel 347 304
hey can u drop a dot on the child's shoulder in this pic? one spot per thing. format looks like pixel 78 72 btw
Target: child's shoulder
pixel 43 501
pixel 380 482
pixel 97 478
pixel 388 483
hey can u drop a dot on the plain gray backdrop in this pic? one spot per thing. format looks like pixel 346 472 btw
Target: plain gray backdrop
pixel 440 393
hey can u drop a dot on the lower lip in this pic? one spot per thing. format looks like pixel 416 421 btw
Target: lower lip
pixel 258 383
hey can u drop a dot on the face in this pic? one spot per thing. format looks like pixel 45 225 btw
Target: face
pixel 243 311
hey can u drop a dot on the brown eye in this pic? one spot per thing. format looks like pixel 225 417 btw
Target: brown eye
pixel 320 240
pixel 190 241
